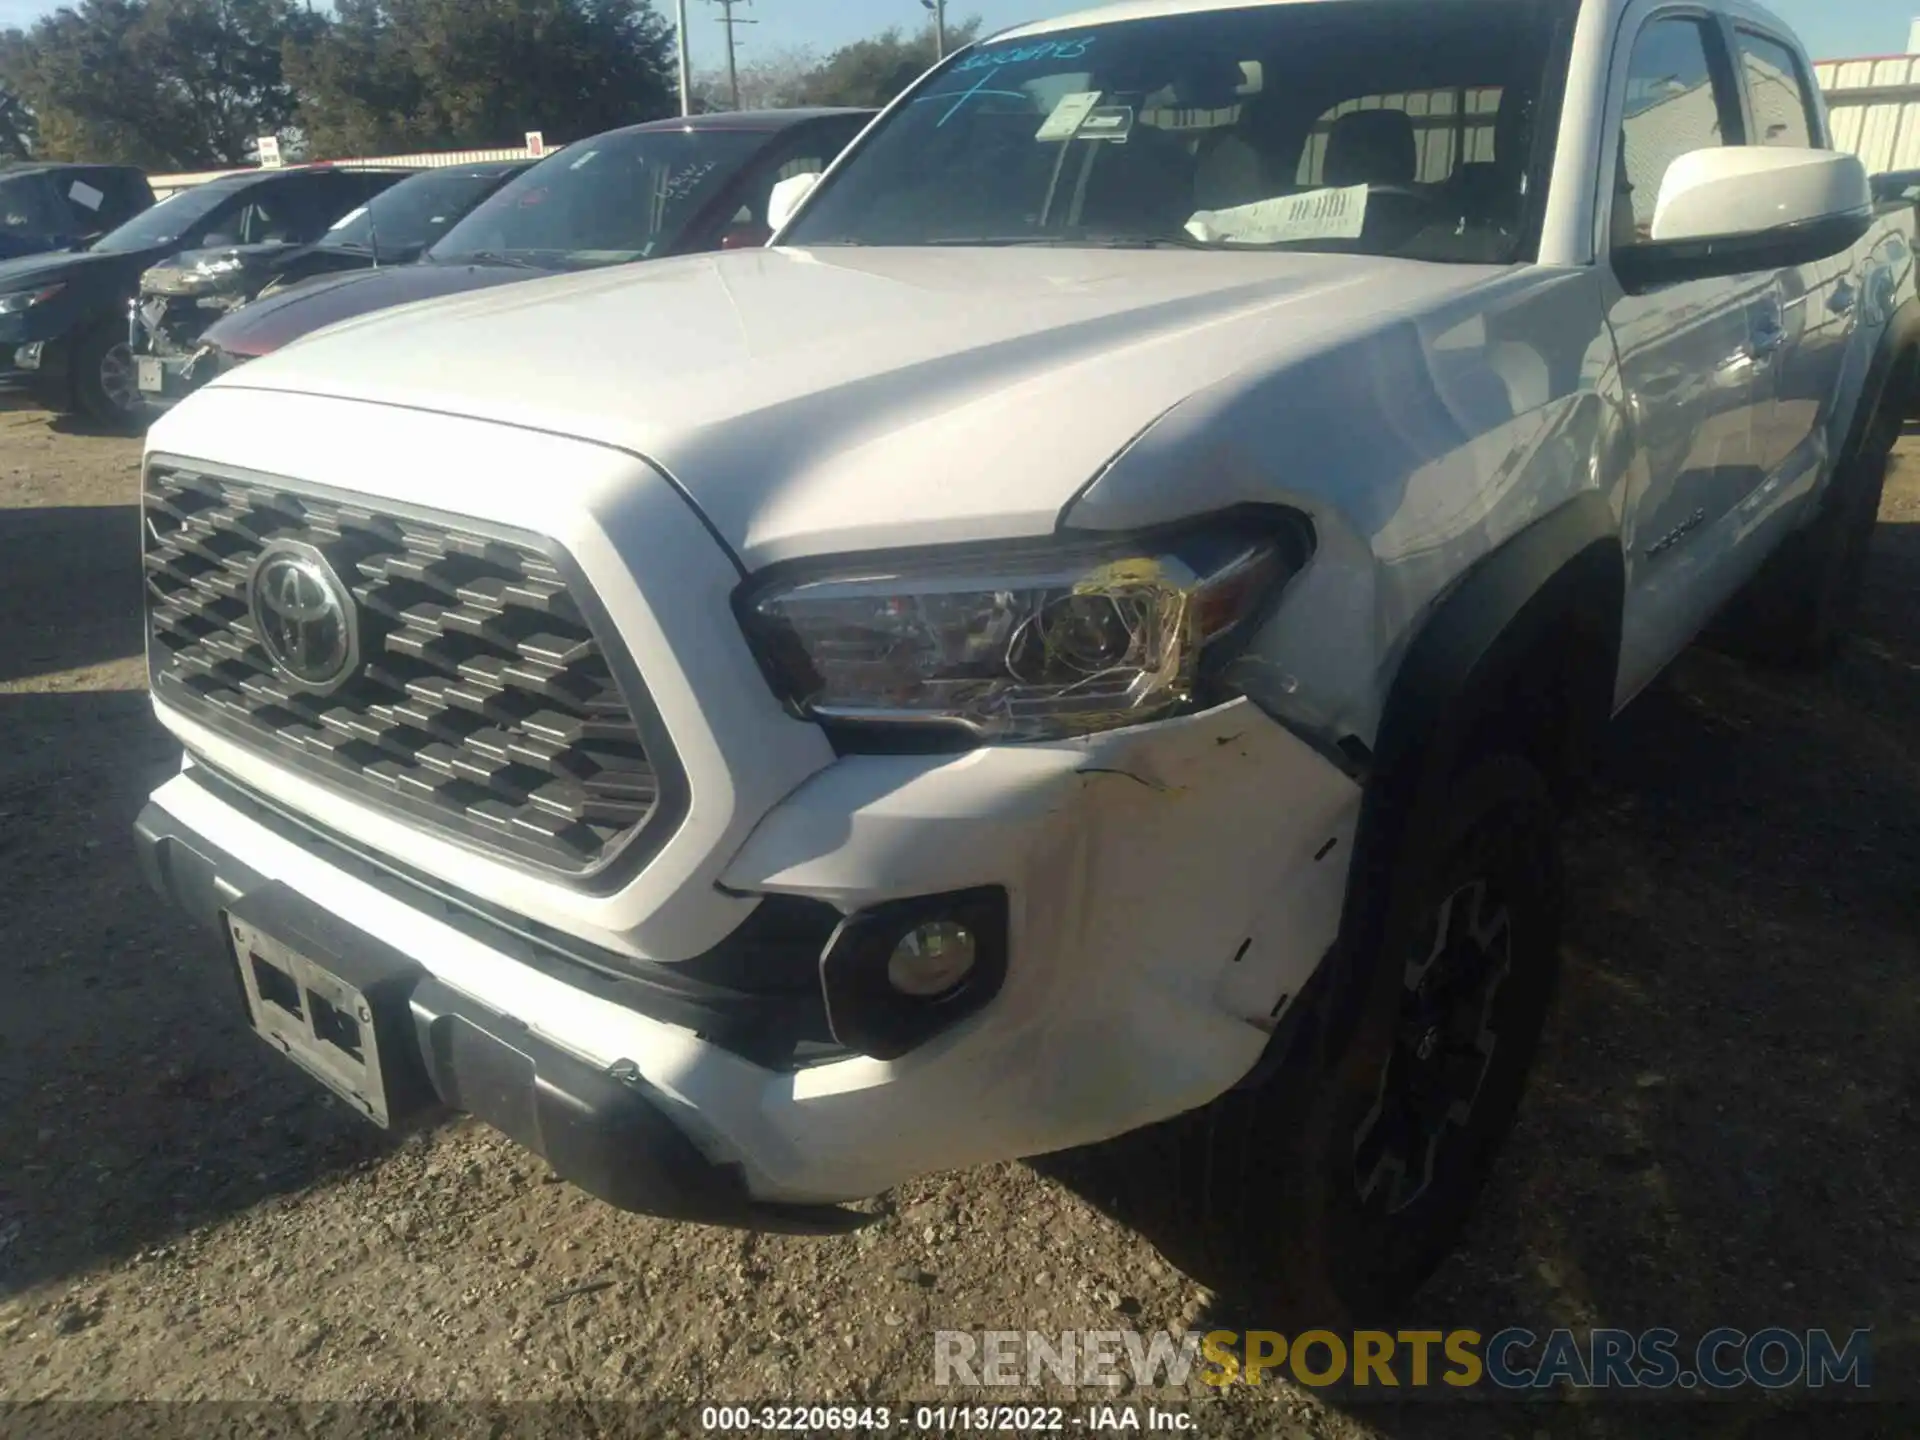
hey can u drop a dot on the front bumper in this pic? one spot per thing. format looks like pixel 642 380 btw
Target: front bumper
pixel 1172 890
pixel 163 333
pixel 606 1131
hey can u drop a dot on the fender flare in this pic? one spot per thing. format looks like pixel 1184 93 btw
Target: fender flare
pixel 1564 574
pixel 1900 339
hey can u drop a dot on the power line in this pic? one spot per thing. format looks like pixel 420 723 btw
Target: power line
pixel 730 21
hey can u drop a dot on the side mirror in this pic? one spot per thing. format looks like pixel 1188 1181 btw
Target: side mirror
pixel 786 198
pixel 1741 209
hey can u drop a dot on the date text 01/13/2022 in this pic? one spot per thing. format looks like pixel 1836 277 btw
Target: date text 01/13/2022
pixel 945 1419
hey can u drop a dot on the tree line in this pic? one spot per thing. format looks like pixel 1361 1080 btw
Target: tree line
pixel 183 84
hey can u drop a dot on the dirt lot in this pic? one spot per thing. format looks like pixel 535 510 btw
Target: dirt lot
pixel 1726 1128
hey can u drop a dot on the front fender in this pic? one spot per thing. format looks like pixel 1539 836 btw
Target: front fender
pixel 1418 448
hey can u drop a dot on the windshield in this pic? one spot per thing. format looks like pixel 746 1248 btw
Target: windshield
pixel 414 213
pixel 1392 127
pixel 167 221
pixel 617 198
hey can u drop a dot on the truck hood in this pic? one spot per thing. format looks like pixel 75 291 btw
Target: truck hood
pixel 264 325
pixel 844 399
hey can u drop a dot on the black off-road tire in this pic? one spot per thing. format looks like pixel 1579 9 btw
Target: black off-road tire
pixel 1284 1182
pixel 103 384
pixel 1795 613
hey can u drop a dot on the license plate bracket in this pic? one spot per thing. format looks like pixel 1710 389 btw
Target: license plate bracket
pixel 333 1001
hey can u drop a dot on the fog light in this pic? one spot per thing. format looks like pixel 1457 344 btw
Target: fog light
pixel 27 357
pixel 896 975
pixel 932 959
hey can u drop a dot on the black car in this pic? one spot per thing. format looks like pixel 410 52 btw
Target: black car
pixel 60 207
pixel 63 318
pixel 183 295
pixel 668 187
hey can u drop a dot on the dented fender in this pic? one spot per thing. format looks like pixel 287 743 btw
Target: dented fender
pixel 1171 886
pixel 1417 449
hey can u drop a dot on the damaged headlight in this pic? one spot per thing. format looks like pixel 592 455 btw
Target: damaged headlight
pixel 1016 645
pixel 192 279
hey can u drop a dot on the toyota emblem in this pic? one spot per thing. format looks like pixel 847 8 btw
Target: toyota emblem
pixel 304 617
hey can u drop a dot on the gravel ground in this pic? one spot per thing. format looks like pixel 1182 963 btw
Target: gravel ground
pixel 1725 1128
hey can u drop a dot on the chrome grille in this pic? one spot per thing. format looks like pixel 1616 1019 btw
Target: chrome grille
pixel 483 704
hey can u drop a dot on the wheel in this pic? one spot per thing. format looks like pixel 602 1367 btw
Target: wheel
pixel 1345 1178
pixel 104 387
pixel 1797 610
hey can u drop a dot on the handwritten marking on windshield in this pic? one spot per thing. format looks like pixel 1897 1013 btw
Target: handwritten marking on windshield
pixel 1027 54
pixel 684 183
pixel 968 95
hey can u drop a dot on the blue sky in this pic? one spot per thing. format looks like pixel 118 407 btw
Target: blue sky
pixel 1830 27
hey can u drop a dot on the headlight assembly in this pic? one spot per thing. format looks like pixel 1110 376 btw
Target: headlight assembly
pixel 1021 644
pixel 215 269
pixel 18 301
pixel 192 279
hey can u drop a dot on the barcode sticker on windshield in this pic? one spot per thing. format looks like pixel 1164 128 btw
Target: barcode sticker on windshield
pixel 1064 123
pixel 1317 215
pixel 1109 122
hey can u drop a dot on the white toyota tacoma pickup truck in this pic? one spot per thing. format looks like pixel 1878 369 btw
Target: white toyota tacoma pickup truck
pixel 1095 625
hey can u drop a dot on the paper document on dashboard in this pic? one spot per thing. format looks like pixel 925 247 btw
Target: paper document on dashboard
pixel 1066 118
pixel 1317 215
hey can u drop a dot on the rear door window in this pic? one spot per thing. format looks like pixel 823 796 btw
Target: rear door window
pixel 1783 112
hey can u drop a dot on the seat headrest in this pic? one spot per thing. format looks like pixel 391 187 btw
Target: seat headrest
pixel 1372 147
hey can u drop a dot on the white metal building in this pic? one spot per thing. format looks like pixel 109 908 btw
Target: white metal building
pixel 165 185
pixel 1874 105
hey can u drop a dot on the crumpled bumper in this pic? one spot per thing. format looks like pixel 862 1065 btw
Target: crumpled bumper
pixel 1171 890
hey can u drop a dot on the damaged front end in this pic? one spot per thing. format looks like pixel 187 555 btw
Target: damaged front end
pixel 178 301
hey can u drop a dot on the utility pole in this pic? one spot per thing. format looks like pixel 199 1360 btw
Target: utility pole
pixel 728 19
pixel 939 9
pixel 686 62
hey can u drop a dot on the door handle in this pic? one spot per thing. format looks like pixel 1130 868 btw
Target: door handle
pixel 1844 298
